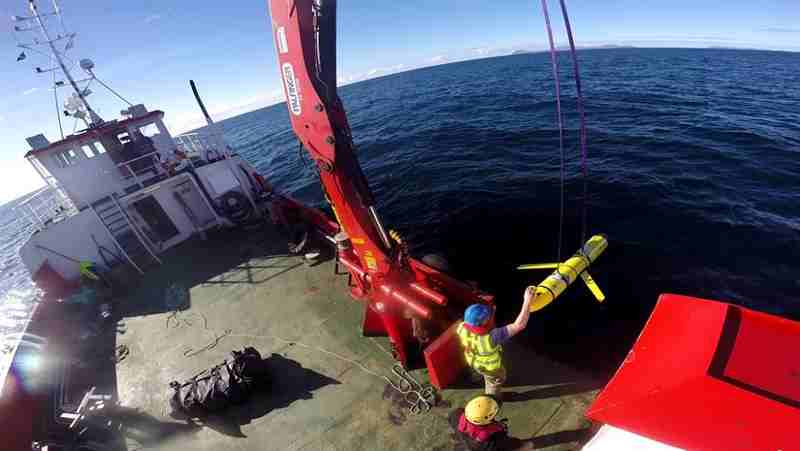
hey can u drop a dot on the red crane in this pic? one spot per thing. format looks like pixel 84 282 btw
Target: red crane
pixel 411 302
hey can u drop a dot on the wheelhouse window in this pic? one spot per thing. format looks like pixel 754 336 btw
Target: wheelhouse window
pixel 93 149
pixel 66 158
pixel 123 137
pixel 88 151
pixel 149 130
pixel 60 160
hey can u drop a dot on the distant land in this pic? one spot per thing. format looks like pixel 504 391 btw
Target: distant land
pixel 587 47
pixel 276 97
pixel 727 47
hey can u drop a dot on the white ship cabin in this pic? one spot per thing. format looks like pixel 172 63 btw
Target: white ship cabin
pixel 125 191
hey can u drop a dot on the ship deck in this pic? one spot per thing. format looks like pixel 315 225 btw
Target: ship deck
pixel 240 288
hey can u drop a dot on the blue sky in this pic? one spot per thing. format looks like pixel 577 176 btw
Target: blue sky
pixel 147 50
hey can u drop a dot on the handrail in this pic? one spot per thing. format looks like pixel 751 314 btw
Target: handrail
pixel 197 143
pixel 147 155
pixel 153 166
pixel 41 191
pixel 44 206
pixel 135 229
pixel 114 239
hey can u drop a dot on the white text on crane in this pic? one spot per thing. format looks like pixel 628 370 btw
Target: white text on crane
pixel 292 96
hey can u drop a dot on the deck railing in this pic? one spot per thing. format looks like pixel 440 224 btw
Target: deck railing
pixel 45 206
pixel 198 146
pixel 142 168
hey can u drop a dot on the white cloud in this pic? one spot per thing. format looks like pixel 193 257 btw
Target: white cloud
pixel 780 30
pixel 342 80
pixel 152 18
pixel 19 178
pixel 474 53
pixel 183 122
pixel 190 120
pixel 345 79
pixel 29 91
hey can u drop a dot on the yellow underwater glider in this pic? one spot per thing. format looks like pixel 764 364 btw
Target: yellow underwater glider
pixel 567 272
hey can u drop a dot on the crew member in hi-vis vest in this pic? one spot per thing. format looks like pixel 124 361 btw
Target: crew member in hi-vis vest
pixel 483 342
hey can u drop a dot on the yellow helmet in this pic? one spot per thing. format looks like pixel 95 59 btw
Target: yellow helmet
pixel 481 410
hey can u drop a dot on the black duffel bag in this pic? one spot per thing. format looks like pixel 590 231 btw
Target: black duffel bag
pixel 250 368
pixel 217 388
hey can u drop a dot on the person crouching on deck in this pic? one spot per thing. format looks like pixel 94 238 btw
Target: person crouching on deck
pixel 483 343
pixel 476 425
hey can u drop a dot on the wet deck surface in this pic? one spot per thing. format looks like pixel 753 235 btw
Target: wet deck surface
pixel 241 289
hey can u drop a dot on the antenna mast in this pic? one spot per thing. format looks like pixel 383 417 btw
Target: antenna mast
pixel 94 118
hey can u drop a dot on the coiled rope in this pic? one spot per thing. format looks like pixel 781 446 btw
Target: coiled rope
pixel 418 397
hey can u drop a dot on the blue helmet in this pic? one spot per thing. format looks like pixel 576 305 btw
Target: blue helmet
pixel 477 314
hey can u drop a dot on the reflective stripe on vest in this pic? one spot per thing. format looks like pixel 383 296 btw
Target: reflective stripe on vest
pixel 479 350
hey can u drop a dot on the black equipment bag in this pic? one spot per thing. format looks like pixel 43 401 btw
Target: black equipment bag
pixel 221 386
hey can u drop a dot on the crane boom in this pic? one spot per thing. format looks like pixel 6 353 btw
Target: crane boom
pixel 305 36
pixel 411 302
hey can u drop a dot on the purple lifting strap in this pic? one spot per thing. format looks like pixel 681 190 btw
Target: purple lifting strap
pixel 584 166
pixel 554 60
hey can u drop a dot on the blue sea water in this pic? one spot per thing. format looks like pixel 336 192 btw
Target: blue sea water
pixel 693 159
pixel 17 291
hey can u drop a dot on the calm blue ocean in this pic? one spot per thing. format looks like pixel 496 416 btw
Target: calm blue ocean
pixel 694 174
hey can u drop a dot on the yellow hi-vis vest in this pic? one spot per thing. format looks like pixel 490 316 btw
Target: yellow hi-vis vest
pixel 480 352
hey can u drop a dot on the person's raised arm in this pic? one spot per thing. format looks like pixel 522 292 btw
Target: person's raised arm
pixel 522 319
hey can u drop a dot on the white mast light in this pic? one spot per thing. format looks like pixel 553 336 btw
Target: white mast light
pixel 58 41
pixel 57 54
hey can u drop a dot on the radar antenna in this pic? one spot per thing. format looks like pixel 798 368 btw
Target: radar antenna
pixel 45 33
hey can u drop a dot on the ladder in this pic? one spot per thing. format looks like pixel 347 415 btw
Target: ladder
pixel 126 237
